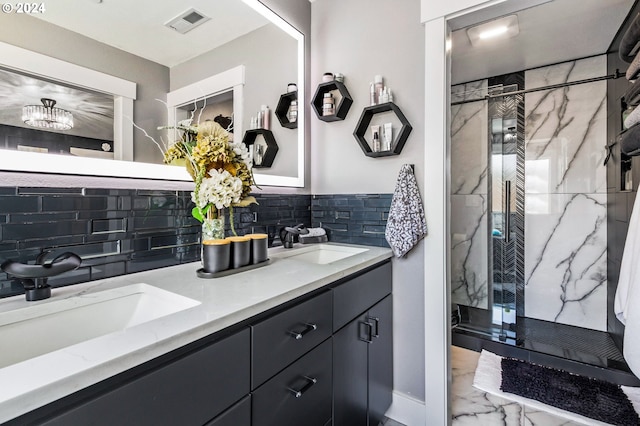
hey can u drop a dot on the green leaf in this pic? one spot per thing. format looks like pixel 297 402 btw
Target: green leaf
pixel 197 214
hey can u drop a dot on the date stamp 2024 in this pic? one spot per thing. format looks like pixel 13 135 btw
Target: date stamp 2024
pixel 29 8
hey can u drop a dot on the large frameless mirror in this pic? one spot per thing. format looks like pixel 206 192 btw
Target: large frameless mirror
pixel 119 70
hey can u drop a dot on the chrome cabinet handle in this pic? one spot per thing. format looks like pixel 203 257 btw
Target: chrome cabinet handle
pixel 300 334
pixel 298 393
pixel 369 335
pixel 376 333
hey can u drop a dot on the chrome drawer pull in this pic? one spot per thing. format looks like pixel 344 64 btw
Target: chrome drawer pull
pixel 377 322
pixel 300 334
pixel 299 393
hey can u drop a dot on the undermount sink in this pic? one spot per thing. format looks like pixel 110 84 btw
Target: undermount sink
pixel 323 254
pixel 37 330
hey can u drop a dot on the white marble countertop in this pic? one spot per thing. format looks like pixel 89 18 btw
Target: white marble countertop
pixel 224 301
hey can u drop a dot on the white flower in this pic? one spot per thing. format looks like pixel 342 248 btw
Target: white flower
pixel 220 189
pixel 240 149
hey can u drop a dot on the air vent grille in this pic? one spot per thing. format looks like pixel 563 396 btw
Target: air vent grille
pixel 187 21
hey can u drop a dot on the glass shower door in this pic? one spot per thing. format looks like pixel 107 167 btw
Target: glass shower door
pixel 502 253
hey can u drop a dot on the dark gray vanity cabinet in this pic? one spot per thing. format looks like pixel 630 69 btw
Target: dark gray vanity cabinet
pixel 292 365
pixel 238 415
pixel 323 359
pixel 281 339
pixel 191 390
pixel 299 395
pixel 363 349
pixel 380 360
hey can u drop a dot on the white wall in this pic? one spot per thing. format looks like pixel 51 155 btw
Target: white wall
pixel 362 38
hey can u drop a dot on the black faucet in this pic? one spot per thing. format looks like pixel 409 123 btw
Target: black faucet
pixel 290 233
pixel 34 277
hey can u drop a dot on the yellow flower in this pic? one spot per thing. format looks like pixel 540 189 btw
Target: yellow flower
pixel 212 150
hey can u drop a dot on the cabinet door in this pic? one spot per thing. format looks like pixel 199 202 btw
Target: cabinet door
pixel 350 371
pixel 380 360
pixel 188 391
pixel 358 294
pixel 286 336
pixel 298 395
pixel 238 415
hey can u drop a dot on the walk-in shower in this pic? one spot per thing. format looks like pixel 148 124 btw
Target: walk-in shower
pixel 528 197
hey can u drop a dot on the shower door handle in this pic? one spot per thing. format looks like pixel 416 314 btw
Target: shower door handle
pixel 507 211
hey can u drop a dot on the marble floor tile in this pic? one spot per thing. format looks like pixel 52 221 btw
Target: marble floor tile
pixel 470 406
pixel 533 417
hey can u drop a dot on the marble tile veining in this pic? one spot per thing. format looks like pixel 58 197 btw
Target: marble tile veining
pixel 469 91
pixel 565 72
pixel 470 406
pixel 565 130
pixel 469 284
pixel 565 260
pixel 469 148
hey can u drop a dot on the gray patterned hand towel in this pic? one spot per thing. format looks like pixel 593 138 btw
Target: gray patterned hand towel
pixel 406 224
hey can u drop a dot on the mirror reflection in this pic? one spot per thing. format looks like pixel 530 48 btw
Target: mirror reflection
pixel 159 47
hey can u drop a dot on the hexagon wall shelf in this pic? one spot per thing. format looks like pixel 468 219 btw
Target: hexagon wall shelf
pixel 283 108
pixel 343 106
pixel 363 126
pixel 272 147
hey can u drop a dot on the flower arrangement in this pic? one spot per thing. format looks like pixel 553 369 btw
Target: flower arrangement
pixel 220 168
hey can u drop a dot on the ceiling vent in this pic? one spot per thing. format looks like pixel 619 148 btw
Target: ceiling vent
pixel 187 21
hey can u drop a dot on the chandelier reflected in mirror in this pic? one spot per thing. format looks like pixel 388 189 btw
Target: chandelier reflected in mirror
pixel 47 116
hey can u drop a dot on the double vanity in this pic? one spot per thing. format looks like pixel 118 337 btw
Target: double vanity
pixel 304 340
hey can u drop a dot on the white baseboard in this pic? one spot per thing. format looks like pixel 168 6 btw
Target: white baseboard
pixel 407 410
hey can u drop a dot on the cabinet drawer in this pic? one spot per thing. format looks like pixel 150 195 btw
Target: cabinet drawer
pixel 355 296
pixel 238 415
pixel 275 402
pixel 285 337
pixel 189 391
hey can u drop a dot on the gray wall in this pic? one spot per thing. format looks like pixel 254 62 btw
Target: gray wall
pixel 270 59
pixel 362 38
pixel 153 79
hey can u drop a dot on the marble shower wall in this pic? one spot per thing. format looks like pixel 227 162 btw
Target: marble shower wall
pixel 565 201
pixel 565 195
pixel 469 154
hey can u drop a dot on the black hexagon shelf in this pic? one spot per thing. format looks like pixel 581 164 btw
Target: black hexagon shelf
pixel 363 126
pixel 343 106
pixel 283 108
pixel 269 155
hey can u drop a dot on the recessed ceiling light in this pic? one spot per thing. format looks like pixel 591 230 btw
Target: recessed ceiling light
pixel 504 27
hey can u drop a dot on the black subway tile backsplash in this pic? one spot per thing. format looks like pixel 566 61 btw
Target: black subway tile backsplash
pixel 19 204
pixel 352 218
pixel 17 232
pixel 108 226
pixel 75 203
pixel 108 270
pixel 41 217
pixel 43 191
pixel 121 231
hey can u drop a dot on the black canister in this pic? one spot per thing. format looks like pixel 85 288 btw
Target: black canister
pixel 259 246
pixel 240 251
pixel 216 255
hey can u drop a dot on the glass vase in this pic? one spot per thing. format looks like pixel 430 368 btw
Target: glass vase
pixel 213 229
